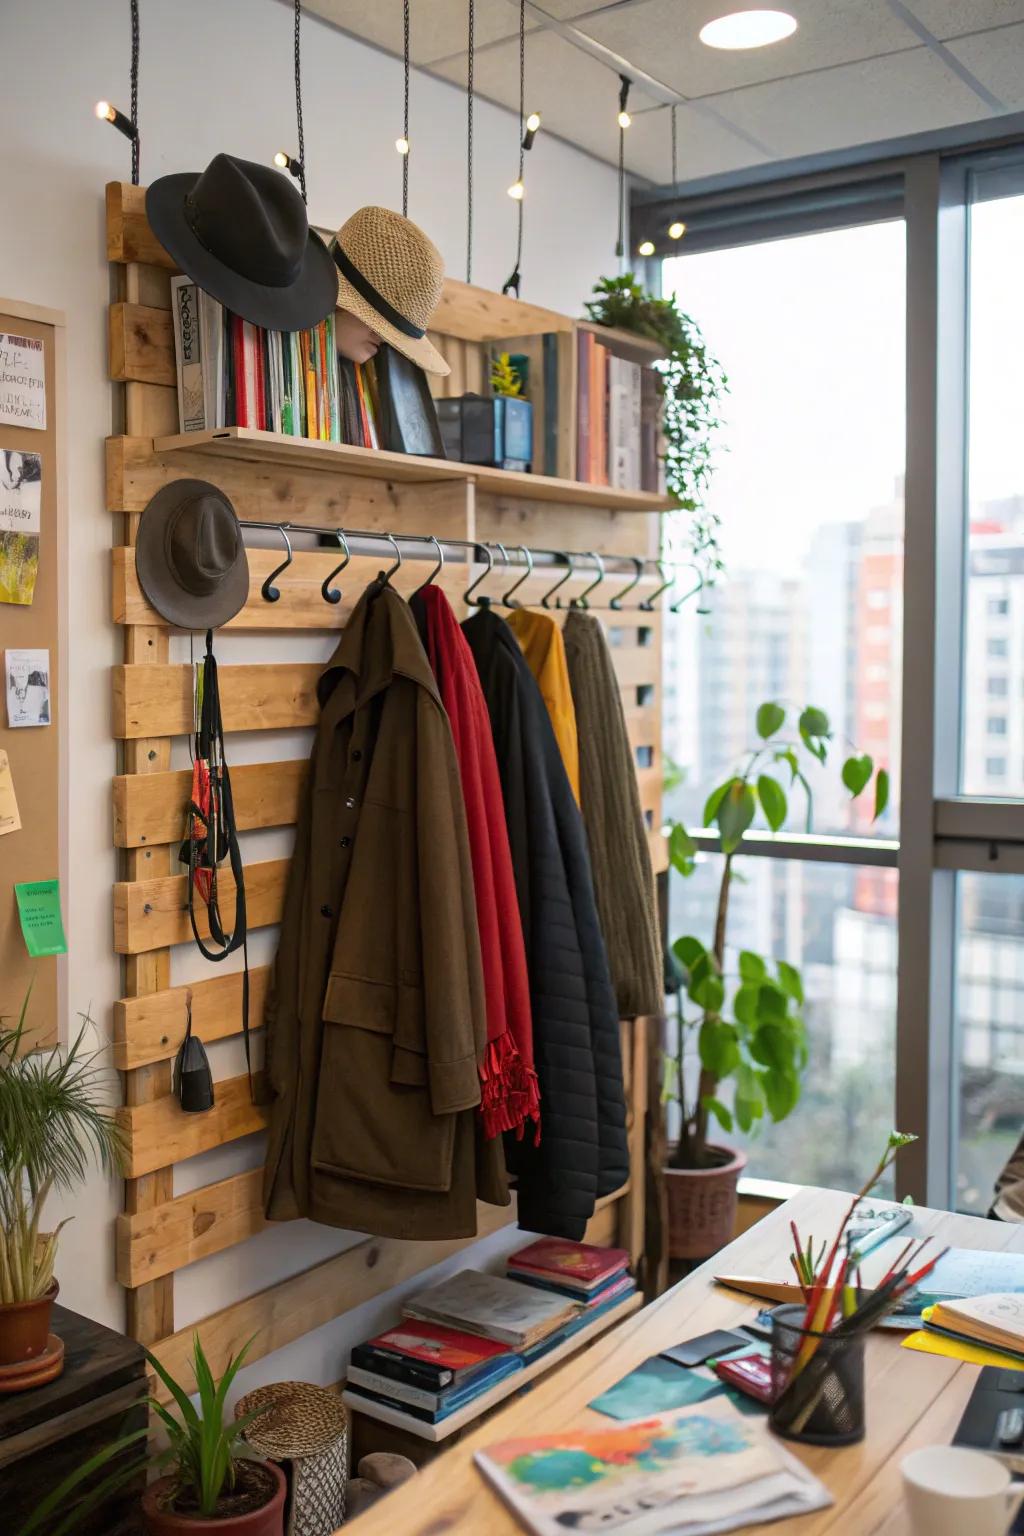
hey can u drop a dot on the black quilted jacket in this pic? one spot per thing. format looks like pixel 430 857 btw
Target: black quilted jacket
pixel 583 1151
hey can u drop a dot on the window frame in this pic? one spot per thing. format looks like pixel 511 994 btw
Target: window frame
pixel 942 832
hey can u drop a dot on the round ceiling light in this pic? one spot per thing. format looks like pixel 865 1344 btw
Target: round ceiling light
pixel 748 29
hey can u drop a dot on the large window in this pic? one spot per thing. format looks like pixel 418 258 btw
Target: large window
pixel 809 490
pixel 864 318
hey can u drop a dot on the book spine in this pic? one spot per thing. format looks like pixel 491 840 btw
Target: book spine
pixel 549 465
pixel 188 355
pixel 415 1373
pixel 390 1386
pixel 584 344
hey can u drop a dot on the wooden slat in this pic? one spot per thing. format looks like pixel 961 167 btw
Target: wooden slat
pixel 301 603
pixel 150 808
pixel 478 314
pixel 151 1028
pixel 150 914
pixel 141 341
pixel 258 698
pixel 191 1227
pixel 161 1133
pixel 129 237
pixel 151 410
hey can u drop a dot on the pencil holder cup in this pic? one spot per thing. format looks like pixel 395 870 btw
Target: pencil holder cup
pixel 817 1382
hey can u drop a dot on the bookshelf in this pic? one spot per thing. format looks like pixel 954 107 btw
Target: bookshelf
pixel 276 479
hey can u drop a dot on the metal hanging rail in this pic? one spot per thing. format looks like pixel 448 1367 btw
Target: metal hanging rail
pixel 567 562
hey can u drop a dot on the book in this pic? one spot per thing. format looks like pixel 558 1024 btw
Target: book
pixel 583 1319
pixel 493 1307
pixel 582 1266
pixel 996 1320
pixel 390 1389
pixel 408 415
pixel 585 347
pixel 650 429
pixel 618 1285
pixel 427 1354
pixel 188 355
pixel 700 1469
pixel 964 1272
pixel 446 1403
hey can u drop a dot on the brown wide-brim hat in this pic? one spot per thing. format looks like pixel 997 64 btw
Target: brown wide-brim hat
pixel 190 557
pixel 390 276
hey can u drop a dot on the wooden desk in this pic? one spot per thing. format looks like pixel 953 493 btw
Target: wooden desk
pixel 912 1399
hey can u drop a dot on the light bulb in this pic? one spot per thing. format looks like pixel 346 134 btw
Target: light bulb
pixel 281 160
pixel 748 29
pixel 104 111
pixel 677 230
pixel 533 122
pixel 402 145
pixel 516 190
pixel 624 119
pixel 108 113
pixel 645 248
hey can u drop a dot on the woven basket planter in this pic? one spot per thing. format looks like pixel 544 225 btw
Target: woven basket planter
pixel 305 1428
pixel 702 1205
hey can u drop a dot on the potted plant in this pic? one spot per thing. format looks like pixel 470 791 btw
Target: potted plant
pixel 692 385
pixel 53 1122
pixel 745 1027
pixel 211 1487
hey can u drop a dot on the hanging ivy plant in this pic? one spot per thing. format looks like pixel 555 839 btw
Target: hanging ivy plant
pixel 693 383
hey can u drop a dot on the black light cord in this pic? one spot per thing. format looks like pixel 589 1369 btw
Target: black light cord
pixel 512 283
pixel 620 243
pixel 134 4
pixel 405 114
pixel 471 47
pixel 300 169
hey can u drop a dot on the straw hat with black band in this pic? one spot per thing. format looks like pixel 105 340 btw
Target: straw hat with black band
pixel 390 276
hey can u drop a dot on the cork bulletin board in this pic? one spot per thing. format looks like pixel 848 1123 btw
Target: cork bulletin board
pixel 35 851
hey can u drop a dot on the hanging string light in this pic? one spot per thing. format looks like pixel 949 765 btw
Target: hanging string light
pixel 402 143
pixel 298 165
pixel 107 113
pixel 624 121
pixel 677 229
pixel 516 190
pixel 470 51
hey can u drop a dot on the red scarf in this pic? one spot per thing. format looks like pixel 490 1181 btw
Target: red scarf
pixel 509 1091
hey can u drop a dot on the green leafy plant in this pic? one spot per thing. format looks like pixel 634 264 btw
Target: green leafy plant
pixel 203 1452
pixel 692 383
pixel 505 378
pixel 53 1123
pixel 755 1038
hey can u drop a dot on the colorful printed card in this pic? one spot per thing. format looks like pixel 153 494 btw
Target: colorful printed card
pixel 704 1468
pixel 657 1386
pixel 21 488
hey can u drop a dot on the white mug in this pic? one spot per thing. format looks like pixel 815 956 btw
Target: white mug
pixel 951 1491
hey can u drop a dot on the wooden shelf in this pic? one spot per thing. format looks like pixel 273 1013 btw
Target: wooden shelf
pixel 639 349
pixel 375 463
pixel 487 1400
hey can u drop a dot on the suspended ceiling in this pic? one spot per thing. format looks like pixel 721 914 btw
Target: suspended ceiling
pixel 855 72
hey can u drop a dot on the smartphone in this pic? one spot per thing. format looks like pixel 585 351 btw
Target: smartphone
pixel 707 1347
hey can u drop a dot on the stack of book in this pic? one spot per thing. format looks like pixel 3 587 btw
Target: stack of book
pixel 618 419
pixel 233 374
pixel 594 1277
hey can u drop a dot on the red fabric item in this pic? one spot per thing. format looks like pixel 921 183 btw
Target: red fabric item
pixel 509 1091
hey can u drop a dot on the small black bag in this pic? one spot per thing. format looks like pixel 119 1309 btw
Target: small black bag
pixel 193 1080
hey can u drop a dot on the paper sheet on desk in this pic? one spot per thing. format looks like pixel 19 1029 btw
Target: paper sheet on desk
pixel 959 1349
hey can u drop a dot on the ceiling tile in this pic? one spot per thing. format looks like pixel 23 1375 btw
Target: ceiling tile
pixel 996 59
pixel 952 18
pixel 436 29
pixel 576 96
pixel 661 38
pixel 854 104
pixel 705 146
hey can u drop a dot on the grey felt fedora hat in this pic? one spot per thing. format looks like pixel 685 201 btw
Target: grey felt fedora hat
pixel 190 557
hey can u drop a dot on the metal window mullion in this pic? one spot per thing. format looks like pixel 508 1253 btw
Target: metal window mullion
pixel 875 853
pixel 926 1076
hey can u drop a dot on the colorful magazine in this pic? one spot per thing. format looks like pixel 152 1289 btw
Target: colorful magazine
pixel 445 1348
pixel 705 1468
pixel 490 1305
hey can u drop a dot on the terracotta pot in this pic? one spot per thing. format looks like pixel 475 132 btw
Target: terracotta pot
pixel 25 1327
pixel 702 1205
pixel 268 1521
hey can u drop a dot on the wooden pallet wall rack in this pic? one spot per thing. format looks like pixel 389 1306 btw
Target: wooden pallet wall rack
pixel 275 479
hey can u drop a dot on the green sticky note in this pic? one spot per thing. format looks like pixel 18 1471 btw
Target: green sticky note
pixel 39 911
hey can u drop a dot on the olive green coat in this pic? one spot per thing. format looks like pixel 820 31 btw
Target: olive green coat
pixel 375 1021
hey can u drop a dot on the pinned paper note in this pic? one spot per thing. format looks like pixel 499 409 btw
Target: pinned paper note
pixel 27 675
pixel 39 911
pixel 10 821
pixel 22 381
pixel 21 491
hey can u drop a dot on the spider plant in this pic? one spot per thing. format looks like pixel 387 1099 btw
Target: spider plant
pixel 53 1123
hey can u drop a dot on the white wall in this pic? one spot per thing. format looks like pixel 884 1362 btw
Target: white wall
pixel 217 75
